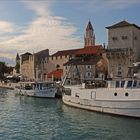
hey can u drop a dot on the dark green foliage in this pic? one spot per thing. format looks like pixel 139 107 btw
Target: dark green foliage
pixel 4 69
pixel 17 67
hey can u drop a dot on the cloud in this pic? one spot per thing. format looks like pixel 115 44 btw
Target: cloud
pixel 6 26
pixel 48 30
pixel 45 31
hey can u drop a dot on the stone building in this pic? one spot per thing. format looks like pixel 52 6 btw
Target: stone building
pixel 123 48
pixel 85 58
pixel 88 62
pixel 59 58
pixel 33 66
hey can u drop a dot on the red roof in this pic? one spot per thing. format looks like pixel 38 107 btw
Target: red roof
pixel 56 73
pixel 65 52
pixel 86 50
pixel 90 50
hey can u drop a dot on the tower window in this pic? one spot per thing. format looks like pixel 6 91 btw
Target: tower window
pixel 88 74
pixel 88 67
pixel 114 38
pixel 135 38
pixel 124 37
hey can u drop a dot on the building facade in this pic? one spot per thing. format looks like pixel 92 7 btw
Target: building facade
pixel 88 62
pixel 123 48
pixel 33 66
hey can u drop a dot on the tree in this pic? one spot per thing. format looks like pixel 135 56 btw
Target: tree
pixel 17 67
pixel 2 69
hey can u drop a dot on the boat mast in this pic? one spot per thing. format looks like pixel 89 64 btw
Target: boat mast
pixel 66 75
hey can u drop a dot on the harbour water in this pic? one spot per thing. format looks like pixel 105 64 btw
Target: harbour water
pixel 28 118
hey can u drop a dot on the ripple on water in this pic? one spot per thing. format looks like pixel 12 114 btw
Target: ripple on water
pixel 27 118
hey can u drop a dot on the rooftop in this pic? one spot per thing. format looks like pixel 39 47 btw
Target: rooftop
pixel 122 24
pixel 90 50
pixel 84 61
pixel 56 73
pixel 65 52
pixel 86 50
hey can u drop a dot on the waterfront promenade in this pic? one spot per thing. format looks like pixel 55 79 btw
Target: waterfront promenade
pixel 8 85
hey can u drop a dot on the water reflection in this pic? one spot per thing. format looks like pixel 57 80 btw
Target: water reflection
pixel 31 118
pixel 103 126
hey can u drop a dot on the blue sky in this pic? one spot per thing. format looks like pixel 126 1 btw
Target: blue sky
pixel 34 25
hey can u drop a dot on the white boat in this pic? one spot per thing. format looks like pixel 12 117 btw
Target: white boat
pixel 37 89
pixel 120 97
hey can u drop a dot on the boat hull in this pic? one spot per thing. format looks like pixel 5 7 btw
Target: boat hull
pixel 125 108
pixel 37 93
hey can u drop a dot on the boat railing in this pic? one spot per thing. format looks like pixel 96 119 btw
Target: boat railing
pixel 95 84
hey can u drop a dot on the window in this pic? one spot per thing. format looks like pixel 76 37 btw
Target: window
pixel 88 74
pixel 119 68
pixel 117 84
pixel 114 38
pixel 52 57
pixel 126 94
pixel 57 66
pixel 135 38
pixel 88 67
pixel 119 73
pixel 124 37
pixel 122 83
pixel 135 84
pixel 129 84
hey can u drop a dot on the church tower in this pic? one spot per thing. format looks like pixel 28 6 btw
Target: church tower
pixel 89 36
pixel 17 66
pixel 17 58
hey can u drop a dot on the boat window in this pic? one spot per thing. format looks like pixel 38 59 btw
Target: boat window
pixel 135 83
pixel 117 84
pixel 28 87
pixel 112 84
pixel 138 85
pixel 122 83
pixel 37 86
pixel 129 84
pixel 40 86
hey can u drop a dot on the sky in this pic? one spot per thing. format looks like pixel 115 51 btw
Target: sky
pixel 35 25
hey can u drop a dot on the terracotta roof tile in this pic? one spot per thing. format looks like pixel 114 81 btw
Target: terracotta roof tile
pixel 56 73
pixel 84 61
pixel 65 52
pixel 85 50
pixel 90 50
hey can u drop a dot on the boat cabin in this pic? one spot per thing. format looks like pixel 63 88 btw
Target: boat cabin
pixel 124 84
pixel 36 85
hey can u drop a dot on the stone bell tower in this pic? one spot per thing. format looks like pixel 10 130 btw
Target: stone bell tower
pixel 89 36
